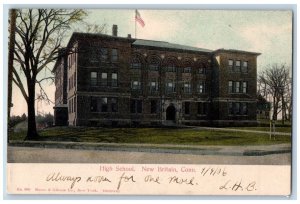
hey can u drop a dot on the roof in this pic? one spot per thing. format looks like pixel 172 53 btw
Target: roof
pixel 148 43
pixel 163 44
pixel 158 44
pixel 236 51
pixel 61 106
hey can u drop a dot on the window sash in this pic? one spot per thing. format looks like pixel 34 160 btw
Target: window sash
pixel 139 106
pixel 245 67
pixel 136 65
pixel 136 85
pixel 187 108
pixel 153 86
pixel 201 87
pixel 237 87
pixel 114 79
pixel 103 79
pixel 103 104
pixel 170 87
pixel 202 108
pixel 187 88
pixel 201 70
pixel 104 54
pixel 171 68
pixel 114 55
pixel 245 87
pixel 230 87
pixel 153 106
pixel 187 70
pixel 153 67
pixel 93 79
pixel 114 105
pixel 238 108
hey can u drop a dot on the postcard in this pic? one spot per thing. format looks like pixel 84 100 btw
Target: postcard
pixel 149 102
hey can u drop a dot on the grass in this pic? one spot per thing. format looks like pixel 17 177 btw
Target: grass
pixel 277 129
pixel 153 136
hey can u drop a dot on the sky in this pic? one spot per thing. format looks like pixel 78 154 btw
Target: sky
pixel 268 32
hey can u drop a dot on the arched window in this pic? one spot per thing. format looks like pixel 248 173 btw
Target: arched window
pixel 202 68
pixel 170 66
pixel 187 68
pixel 136 63
pixel 153 63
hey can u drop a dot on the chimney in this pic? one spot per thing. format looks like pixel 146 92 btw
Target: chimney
pixel 129 36
pixel 115 30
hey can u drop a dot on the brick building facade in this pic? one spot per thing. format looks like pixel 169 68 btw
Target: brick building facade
pixel 115 80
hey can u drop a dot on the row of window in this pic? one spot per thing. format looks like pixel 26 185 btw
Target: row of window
pixel 202 108
pixel 238 66
pixel 136 106
pixel 237 87
pixel 100 104
pixel 72 59
pixel 72 105
pixel 169 68
pixel 237 108
pixel 170 86
pixel 72 81
pixel 101 80
pixel 106 54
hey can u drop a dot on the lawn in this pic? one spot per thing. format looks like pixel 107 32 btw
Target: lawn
pixel 277 129
pixel 187 136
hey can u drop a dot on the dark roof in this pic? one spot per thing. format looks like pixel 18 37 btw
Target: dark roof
pixel 236 51
pixel 158 44
pixel 142 42
pixel 163 44
pixel 79 34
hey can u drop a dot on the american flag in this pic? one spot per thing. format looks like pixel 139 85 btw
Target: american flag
pixel 139 19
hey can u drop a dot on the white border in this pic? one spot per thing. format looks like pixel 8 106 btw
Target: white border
pixel 213 4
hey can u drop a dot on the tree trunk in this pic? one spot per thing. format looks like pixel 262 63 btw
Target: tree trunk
pixel 31 132
pixel 283 109
pixel 275 108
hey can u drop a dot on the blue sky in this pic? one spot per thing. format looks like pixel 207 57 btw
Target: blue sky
pixel 267 32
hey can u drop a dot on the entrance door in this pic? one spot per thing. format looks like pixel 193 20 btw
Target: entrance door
pixel 171 113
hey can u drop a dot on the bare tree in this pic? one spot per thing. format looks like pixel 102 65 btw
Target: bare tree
pixel 274 82
pixel 39 35
pixel 288 100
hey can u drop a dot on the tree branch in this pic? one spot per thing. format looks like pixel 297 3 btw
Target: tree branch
pixel 19 83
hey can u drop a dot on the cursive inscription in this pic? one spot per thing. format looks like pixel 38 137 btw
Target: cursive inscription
pixel 125 178
pixel 238 186
pixel 97 179
pixel 150 178
pixel 178 180
pixel 113 179
pixel 61 178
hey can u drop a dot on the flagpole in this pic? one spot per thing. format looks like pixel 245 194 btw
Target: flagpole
pixel 135 24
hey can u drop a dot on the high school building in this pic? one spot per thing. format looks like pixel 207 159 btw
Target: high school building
pixel 109 80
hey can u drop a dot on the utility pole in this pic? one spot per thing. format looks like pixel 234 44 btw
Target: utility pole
pixel 13 16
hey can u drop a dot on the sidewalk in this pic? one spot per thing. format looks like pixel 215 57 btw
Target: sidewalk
pixel 258 150
pixel 240 130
